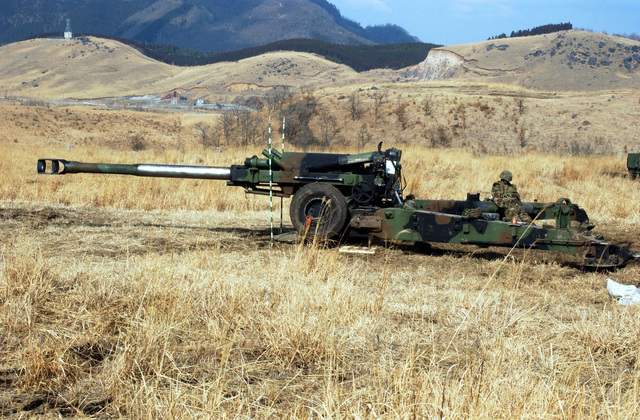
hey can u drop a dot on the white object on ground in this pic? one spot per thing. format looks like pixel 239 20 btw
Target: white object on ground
pixel 356 250
pixel 626 294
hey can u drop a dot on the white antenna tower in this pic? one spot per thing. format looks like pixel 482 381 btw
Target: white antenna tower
pixel 67 32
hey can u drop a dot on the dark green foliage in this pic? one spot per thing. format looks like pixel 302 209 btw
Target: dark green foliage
pixel 169 54
pixel 389 34
pixel 358 57
pixel 544 29
pixel 538 30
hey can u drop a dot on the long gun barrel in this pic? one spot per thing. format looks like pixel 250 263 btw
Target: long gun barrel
pixel 372 172
pixel 61 166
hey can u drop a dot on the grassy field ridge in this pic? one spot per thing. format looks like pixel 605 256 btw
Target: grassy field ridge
pixel 133 297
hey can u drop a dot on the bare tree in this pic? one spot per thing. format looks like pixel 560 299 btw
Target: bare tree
pixel 308 98
pixel 439 137
pixel 226 125
pixel 299 114
pixel 364 135
pixel 427 106
pixel 276 100
pixel 328 127
pixel 378 101
pixel 401 114
pixel 248 127
pixel 203 134
pixel 522 136
pixel 520 105
pixel 236 108
pixel 209 136
pixel 138 142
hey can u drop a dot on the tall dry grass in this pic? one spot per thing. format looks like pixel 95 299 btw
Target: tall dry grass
pixel 304 332
pixel 133 297
pixel 599 184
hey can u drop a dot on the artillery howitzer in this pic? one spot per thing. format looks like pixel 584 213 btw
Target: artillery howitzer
pixel 362 195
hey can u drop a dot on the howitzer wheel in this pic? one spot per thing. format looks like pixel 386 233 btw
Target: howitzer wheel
pixel 319 209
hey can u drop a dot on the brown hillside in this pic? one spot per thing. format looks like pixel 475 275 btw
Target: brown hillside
pixel 466 112
pixel 563 61
pixel 94 67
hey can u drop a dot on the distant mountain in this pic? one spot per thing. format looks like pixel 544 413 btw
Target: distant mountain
pixel 205 25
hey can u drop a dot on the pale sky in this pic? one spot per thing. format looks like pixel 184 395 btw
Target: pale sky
pixel 450 22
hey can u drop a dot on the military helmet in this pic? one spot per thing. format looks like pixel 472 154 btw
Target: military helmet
pixel 506 176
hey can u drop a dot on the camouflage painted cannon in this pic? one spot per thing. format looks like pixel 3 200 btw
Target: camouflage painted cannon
pixel 339 195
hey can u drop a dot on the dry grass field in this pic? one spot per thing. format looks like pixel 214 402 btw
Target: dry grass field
pixel 136 297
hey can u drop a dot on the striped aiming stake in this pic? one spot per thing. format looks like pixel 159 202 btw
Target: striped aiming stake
pixel 282 198
pixel 270 181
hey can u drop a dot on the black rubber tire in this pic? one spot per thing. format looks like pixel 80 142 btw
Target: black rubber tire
pixel 326 206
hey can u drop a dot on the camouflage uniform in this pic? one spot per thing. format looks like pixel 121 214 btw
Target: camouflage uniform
pixel 505 195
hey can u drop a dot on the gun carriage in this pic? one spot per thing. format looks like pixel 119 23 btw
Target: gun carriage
pixel 339 195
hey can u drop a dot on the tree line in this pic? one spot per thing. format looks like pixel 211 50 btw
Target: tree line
pixel 358 117
pixel 538 30
pixel 358 57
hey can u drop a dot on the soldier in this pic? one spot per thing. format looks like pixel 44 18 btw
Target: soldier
pixel 505 195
